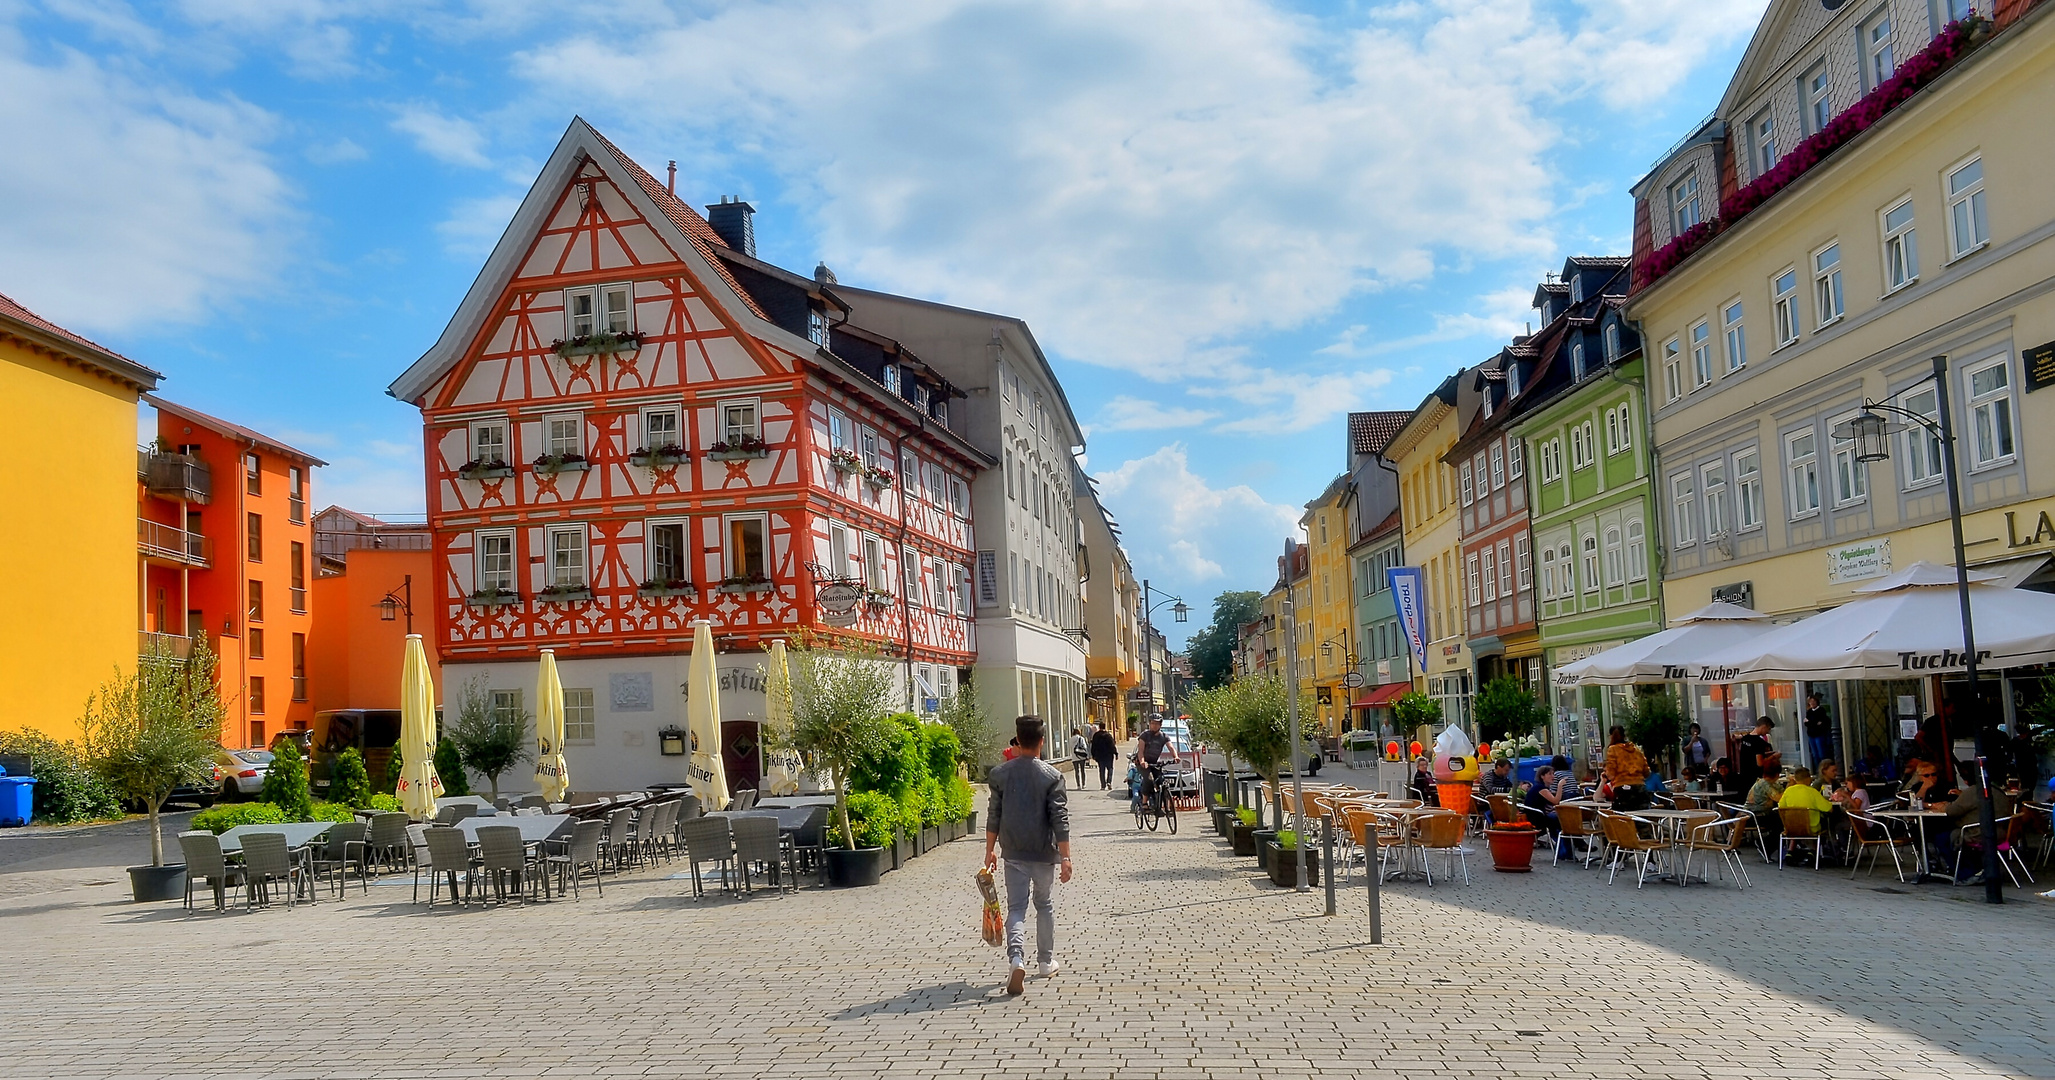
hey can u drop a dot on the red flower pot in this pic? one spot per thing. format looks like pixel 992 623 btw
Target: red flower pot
pixel 1512 850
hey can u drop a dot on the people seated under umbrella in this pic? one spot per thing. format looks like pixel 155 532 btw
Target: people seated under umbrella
pixel 1799 794
pixel 1763 796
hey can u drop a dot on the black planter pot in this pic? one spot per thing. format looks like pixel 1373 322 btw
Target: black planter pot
pixel 970 824
pixel 1284 866
pixel 1244 838
pixel 930 838
pixel 863 866
pixel 1223 820
pixel 903 851
pixel 150 883
pixel 1265 840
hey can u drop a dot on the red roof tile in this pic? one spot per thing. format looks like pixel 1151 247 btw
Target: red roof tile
pixel 1371 432
pixel 688 221
pixel 94 351
pixel 226 428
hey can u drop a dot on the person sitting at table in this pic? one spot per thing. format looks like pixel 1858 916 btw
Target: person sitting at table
pixel 1565 779
pixel 1964 807
pixel 1876 764
pixel 1923 782
pixel 1423 782
pixel 1853 794
pixel 1829 779
pixel 1721 781
pixel 1763 797
pixel 1540 804
pixel 1499 781
pixel 1626 769
pixel 1799 794
pixel 1687 779
pixel 1656 785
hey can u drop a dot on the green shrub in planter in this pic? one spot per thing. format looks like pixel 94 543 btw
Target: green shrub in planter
pixel 934 806
pixel 220 819
pixel 873 818
pixel 959 798
pixel 285 783
pixel 331 811
pixel 349 783
pixel 67 789
pixel 384 804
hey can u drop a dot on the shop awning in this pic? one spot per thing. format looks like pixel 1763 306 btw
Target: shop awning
pixel 1381 697
pixel 2012 572
pixel 1670 655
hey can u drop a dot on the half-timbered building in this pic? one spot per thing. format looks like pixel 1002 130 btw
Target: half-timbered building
pixel 631 424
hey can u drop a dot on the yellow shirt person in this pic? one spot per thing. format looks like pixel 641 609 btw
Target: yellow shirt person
pixel 1801 795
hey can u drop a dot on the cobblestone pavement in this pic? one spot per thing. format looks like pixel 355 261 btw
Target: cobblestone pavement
pixel 1179 962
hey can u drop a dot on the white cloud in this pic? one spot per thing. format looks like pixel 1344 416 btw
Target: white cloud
pixel 1496 316
pixel 1286 402
pixel 146 204
pixel 1177 526
pixel 450 139
pixel 475 225
pixel 1125 413
pixel 336 152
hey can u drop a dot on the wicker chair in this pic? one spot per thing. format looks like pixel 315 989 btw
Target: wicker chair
pixel 1721 837
pixel 455 812
pixel 657 831
pixel 449 854
pixel 810 840
pixel 743 800
pixel 1799 828
pixel 389 841
pixel 708 840
pixel 205 862
pixel 759 844
pixel 620 839
pixel 578 853
pixel 266 859
pixel 504 857
pixel 347 843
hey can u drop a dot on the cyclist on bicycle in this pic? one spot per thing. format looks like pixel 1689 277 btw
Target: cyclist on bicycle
pixel 1151 746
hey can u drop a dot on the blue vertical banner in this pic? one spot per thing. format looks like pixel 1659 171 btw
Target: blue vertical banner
pixel 1409 596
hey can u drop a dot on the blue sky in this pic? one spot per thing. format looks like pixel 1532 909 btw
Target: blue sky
pixel 1230 222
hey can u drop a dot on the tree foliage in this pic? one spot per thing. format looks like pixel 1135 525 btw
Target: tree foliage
pixel 285 782
pixel 1506 710
pixel 67 789
pixel 1416 710
pixel 840 701
pixel 449 767
pixel 154 731
pixel 490 742
pixel 349 783
pixel 1656 725
pixel 977 738
pixel 1212 649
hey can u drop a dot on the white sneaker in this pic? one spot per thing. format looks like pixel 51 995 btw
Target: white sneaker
pixel 1014 981
pixel 1051 968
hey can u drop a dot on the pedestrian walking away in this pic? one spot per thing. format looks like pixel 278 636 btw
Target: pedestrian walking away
pixel 1080 756
pixel 1027 827
pixel 1105 751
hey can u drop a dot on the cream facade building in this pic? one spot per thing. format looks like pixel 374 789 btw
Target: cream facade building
pixel 1931 232
pixel 1433 542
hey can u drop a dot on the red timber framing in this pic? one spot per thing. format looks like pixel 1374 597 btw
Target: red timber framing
pixel 599 498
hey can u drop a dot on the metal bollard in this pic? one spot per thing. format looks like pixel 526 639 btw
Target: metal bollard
pixel 1327 856
pixel 1371 875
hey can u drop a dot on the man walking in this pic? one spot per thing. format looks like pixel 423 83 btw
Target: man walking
pixel 1028 822
pixel 1104 751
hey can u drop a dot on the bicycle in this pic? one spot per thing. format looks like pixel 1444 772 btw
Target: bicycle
pixel 1152 802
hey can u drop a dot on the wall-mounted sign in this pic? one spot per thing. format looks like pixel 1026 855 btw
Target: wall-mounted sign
pixel 2040 366
pixel 839 597
pixel 1739 592
pixel 1859 562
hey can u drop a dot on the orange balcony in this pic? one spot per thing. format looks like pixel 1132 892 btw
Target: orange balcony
pixel 175 476
pixel 171 544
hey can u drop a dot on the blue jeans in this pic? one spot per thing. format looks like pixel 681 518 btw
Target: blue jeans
pixel 1822 747
pixel 1025 881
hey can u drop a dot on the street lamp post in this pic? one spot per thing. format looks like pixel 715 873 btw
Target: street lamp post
pixel 1348 667
pixel 1871 434
pixel 397 601
pixel 1179 611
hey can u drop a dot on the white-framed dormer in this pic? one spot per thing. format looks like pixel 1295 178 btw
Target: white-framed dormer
pixel 592 309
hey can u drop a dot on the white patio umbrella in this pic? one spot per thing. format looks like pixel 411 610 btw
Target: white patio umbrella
pixel 703 721
pixel 785 766
pixel 418 785
pixel 552 776
pixel 1906 626
pixel 1670 655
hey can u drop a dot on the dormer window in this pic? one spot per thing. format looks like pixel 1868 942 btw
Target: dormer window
pixel 1512 380
pixel 1612 343
pixel 1487 402
pixel 939 410
pixel 817 327
pixel 1577 289
pixel 892 377
pixel 1684 206
pixel 1577 360
pixel 1547 312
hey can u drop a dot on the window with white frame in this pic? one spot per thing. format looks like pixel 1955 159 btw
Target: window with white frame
pixel 867 446
pixel 963 591
pixel 668 561
pixel 562 435
pixel 1612 432
pixel 959 496
pixel 1591 578
pixel 945 585
pixel 746 553
pixel 1505 568
pixel 1577 451
pixel 1683 509
pixel 489 442
pixel 1685 210
pixel 495 562
pixel 1470 568
pixel 874 576
pixel 1548 573
pixel 1784 305
pixel 1498 466
pixel 1515 460
pixel 1880 60
pixel 580 727
pixel 1922 449
pixel 581 312
pixel 1577 288
pixel 616 309
pixel 841 551
pixel 1851 477
pixel 567 556
pixel 838 430
pixel 1952 10
pixel 1626 425
pixel 1637 550
pixel 740 420
pixel 1732 327
pixel 1673 369
pixel 1701 354
pixel 1762 142
pixel 1490 576
pixel 660 429
pixel 1576 360
pixel 1566 572
pixel 1990 411
pixel 1478 466
pixel 1826 284
pixel 1748 488
pixel 817 327
pixel 1712 495
pixel 1612 343
pixel 911 567
pixel 1801 450
pixel 1901 246
pixel 1817 91
pixel 1615 556
pixel 1467 498
pixel 1968 226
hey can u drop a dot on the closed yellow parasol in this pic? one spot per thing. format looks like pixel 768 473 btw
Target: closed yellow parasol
pixel 703 721
pixel 418 786
pixel 784 764
pixel 552 777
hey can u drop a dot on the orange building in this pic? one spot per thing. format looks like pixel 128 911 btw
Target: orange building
pixel 355 650
pixel 225 550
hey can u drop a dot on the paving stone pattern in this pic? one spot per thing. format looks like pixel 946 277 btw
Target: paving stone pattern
pixel 1179 961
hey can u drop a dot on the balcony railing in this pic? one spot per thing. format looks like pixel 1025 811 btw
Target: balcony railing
pixel 172 543
pixel 296 510
pixel 299 688
pixel 299 601
pixel 155 646
pixel 175 476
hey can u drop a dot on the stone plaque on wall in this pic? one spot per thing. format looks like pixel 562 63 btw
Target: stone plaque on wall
pixel 632 691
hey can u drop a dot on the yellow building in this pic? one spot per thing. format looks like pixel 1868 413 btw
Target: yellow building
pixel 74 601
pixel 1111 600
pixel 1329 610
pixel 1929 233
pixel 1433 542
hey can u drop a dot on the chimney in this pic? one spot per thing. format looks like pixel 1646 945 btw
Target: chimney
pixel 671 185
pixel 730 219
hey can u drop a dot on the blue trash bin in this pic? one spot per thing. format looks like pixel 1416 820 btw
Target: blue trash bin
pixel 1525 768
pixel 17 799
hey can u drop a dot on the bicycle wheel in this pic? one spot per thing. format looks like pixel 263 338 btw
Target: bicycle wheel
pixel 1155 812
pixel 1141 807
pixel 1170 815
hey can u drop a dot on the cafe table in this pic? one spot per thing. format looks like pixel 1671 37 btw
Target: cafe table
pixel 1918 820
pixel 297 834
pixel 535 828
pixel 1406 814
pixel 1667 824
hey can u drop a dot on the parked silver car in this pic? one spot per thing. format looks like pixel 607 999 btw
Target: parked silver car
pixel 242 772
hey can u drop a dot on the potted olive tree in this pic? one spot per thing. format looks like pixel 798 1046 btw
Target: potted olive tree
pixel 1257 727
pixel 1211 722
pixel 490 743
pixel 840 708
pixel 149 734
